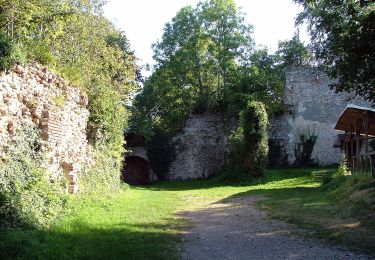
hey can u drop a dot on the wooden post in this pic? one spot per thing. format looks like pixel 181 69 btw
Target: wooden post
pixel 352 151
pixel 359 159
pixel 372 166
pixel 366 126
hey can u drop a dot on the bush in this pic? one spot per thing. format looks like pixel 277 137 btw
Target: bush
pixel 254 121
pixel 41 53
pixel 108 114
pixel 249 143
pixel 10 53
pixel 5 51
pixel 27 197
pixel 343 169
pixel 103 176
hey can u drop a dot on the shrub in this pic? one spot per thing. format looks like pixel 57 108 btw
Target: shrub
pixel 254 121
pixel 108 113
pixel 5 51
pixel 103 176
pixel 39 51
pixel 343 169
pixel 10 53
pixel 17 55
pixel 27 197
pixel 249 143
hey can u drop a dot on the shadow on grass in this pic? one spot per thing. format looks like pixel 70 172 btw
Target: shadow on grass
pixel 217 182
pixel 122 241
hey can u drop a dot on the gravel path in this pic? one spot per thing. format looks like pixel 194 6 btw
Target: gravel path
pixel 235 229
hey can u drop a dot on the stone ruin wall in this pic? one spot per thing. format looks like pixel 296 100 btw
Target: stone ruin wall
pixel 201 148
pixel 310 105
pixel 34 96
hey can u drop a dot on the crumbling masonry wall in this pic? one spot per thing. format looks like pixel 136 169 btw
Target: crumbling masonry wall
pixel 202 147
pixel 311 106
pixel 34 96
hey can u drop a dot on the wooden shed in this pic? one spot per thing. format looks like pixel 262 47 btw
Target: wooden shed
pixel 359 126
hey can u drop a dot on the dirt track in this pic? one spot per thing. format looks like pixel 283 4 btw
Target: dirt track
pixel 236 229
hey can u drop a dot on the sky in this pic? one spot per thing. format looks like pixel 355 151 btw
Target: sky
pixel 143 21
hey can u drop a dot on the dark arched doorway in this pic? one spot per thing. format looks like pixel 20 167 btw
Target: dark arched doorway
pixel 136 171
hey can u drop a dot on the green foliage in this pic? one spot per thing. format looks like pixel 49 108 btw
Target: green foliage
pixel 293 52
pixel 40 52
pixel 75 39
pixel 109 116
pixel 343 33
pixel 18 55
pixel 161 105
pixel 249 143
pixel 27 197
pixel 202 47
pixel 5 51
pixel 103 176
pixel 254 121
pixel 59 100
pixel 205 61
pixel 261 79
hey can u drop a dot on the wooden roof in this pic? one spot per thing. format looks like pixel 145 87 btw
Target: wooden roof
pixel 350 117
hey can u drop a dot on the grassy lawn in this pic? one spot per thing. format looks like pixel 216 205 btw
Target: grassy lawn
pixel 143 223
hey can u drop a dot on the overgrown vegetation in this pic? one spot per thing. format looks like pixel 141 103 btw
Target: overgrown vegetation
pixel 249 145
pixel 72 38
pixel 143 222
pixel 75 39
pixel 103 176
pixel 207 63
pixel 27 197
pixel 5 51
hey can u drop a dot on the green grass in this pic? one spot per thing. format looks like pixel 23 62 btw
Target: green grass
pixel 143 223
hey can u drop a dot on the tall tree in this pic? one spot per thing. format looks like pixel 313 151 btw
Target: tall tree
pixel 205 44
pixel 205 59
pixel 293 52
pixel 343 34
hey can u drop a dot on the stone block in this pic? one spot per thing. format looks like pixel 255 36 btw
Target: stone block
pixel 10 128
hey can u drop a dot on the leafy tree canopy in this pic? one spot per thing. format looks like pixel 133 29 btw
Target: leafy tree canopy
pixel 205 61
pixel 293 52
pixel 343 34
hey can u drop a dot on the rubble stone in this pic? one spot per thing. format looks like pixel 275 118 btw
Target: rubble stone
pixel 25 102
